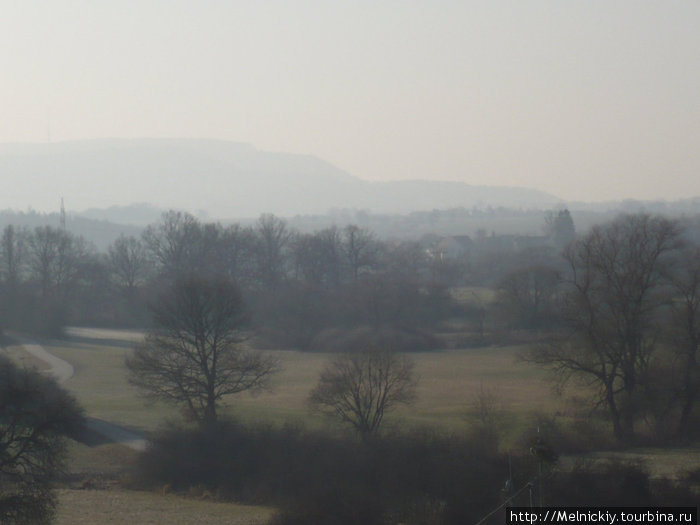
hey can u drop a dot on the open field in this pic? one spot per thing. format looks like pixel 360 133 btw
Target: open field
pixel 92 494
pixel 88 507
pixel 449 381
pixel 101 387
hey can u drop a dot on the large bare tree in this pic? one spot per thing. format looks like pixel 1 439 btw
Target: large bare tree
pixel 361 386
pixel 684 326
pixel 195 355
pixel 612 305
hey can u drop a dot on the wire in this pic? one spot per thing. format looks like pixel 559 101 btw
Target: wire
pixel 482 520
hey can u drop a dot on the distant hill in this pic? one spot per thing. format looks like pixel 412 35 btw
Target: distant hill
pixel 132 214
pixel 217 179
pixel 99 232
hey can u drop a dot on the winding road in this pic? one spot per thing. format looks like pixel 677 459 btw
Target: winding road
pixel 62 371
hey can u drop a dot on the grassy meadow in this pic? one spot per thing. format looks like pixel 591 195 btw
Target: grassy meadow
pixel 449 381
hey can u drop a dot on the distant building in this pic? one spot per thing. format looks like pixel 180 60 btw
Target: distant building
pixel 454 247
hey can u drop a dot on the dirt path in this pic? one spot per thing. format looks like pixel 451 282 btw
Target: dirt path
pixel 62 371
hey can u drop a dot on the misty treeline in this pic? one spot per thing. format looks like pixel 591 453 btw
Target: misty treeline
pixel 296 285
pixel 617 307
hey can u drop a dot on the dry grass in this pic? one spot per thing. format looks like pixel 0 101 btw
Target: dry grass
pixel 101 468
pixel 101 386
pixel 109 460
pixel 448 384
pixel 661 462
pixel 89 507
pixel 472 294
pixel 448 381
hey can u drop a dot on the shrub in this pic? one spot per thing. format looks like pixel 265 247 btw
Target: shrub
pixel 35 416
pixel 318 478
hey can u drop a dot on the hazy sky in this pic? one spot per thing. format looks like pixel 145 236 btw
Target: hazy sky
pixel 586 99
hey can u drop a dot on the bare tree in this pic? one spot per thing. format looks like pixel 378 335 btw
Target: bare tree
pixel 12 255
pixel 236 254
pixel 527 294
pixel 407 260
pixel 487 411
pixel 57 262
pixel 685 329
pixel 360 248
pixel 194 356
pixel 12 269
pixel 180 245
pixel 317 258
pixel 611 306
pixel 35 417
pixel 55 257
pixel 129 263
pixel 361 387
pixel 272 239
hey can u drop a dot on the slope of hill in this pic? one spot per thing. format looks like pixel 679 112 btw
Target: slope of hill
pixel 218 179
pixel 99 232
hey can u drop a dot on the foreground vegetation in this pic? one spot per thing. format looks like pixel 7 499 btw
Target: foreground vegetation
pixel 417 477
pixel 453 389
pixel 377 326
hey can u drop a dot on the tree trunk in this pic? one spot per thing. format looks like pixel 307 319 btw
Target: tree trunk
pixel 690 393
pixel 618 428
pixel 210 410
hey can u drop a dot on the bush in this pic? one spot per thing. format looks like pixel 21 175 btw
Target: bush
pixel 569 436
pixel 608 483
pixel 36 414
pixel 413 477
pixel 318 478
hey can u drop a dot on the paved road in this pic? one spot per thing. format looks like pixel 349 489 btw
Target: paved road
pixel 62 371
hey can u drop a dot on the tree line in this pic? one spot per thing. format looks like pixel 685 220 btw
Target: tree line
pixel 296 284
pixel 617 308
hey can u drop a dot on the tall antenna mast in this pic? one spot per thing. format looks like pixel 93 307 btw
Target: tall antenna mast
pixel 63 215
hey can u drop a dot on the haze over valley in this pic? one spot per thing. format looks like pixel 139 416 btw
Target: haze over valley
pixel 452 247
